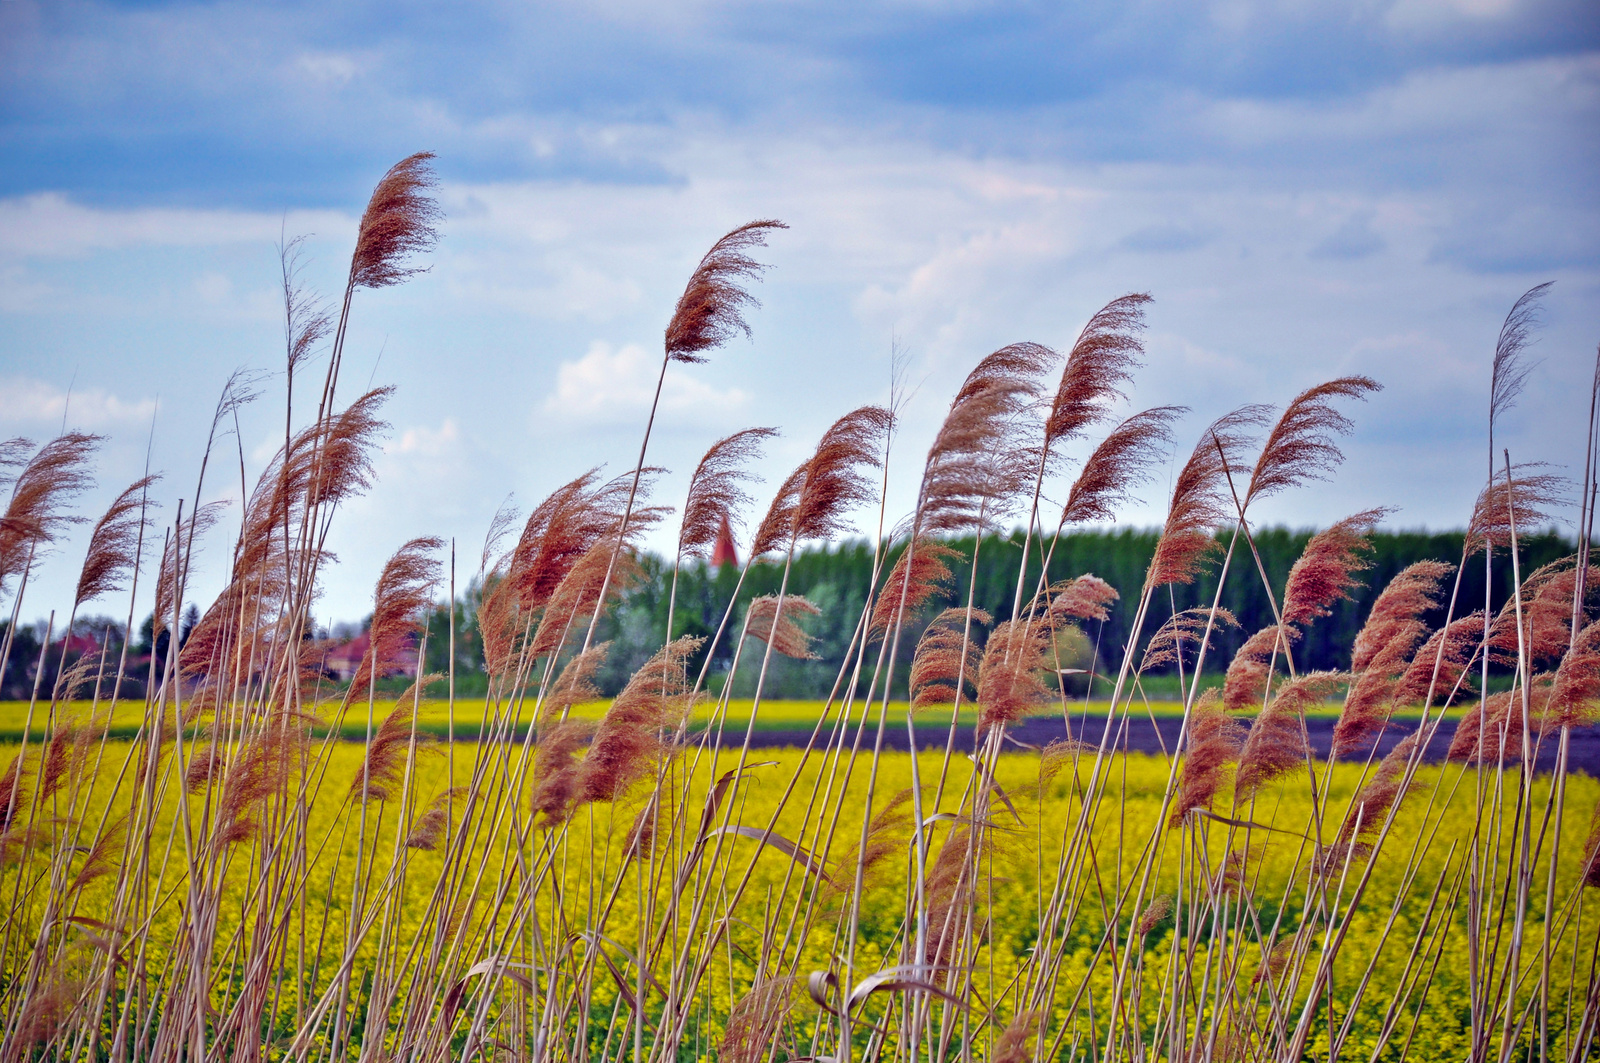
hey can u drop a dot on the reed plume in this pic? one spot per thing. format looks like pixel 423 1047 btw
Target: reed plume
pixel 1276 745
pixel 399 222
pixel 716 490
pixel 387 753
pixel 102 857
pixel 575 684
pixel 602 569
pixel 1156 911
pixel 405 591
pixel 1015 1043
pixel 13 455
pixel 1547 614
pixel 10 792
pixel 262 768
pixel 557 770
pixel 306 321
pixel 812 501
pixel 919 573
pixel 1527 499
pixel 1180 636
pixel 1301 445
pixel 948 888
pixel 627 743
pixel 1199 500
pixel 972 468
pixel 1325 571
pixel 787 638
pixel 946 655
pixel 34 518
pixel 1246 681
pixel 1085 597
pixel 113 542
pixel 1122 461
pixel 1509 372
pixel 1577 682
pixel 711 308
pixel 1214 742
pixel 1461 640
pixel 1591 851
pixel 567 525
pixel 206 765
pixel 428 829
pixel 1098 367
pixel 1011 676
pixel 756 1019
pixel 885 839
pixel 1394 626
pixel 1492 733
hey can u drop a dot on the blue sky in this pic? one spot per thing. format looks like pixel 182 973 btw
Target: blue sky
pixel 1306 188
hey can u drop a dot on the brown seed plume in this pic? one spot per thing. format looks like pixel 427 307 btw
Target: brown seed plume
pixel 716 490
pixel 919 573
pixel 1325 571
pixel 1461 642
pixel 205 765
pixel 971 472
pixel 10 792
pixel 575 684
pixel 577 595
pixel 1530 496
pixel 405 592
pixel 306 321
pixel 112 543
pixel 1301 445
pixel 33 518
pixel 948 888
pixel 1085 597
pixel 1490 734
pixel 1277 743
pixel 813 500
pixel 1246 682
pixel 1577 682
pixel 1200 500
pixel 947 652
pixel 1011 675
pixel 398 223
pixel 1546 615
pixel 1158 910
pixel 51 1008
pixel 711 308
pixel 428 829
pixel 627 743
pixel 1214 743
pixel 1122 461
pixel 788 638
pixel 379 777
pixel 755 1020
pixel 557 770
pixel 1099 365
pixel 342 468
pixel 262 768
pixel 102 856
pixel 1394 626
pixel 887 837
pixel 1381 793
pixel 13 455
pixel 1509 373
pixel 1015 1043
pixel 1179 638
pixel 566 526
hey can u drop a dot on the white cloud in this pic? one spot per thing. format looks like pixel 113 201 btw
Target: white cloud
pixel 612 383
pixel 29 403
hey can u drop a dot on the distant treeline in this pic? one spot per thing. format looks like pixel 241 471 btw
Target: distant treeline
pixel 836 578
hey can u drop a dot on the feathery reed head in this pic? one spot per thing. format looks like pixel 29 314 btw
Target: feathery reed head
pixel 405 591
pixel 1246 682
pixel 1179 638
pixel 1215 740
pixel 1577 682
pixel 1122 461
pixel 575 684
pixel 1085 597
pixel 1442 662
pixel 1301 445
pixel 919 573
pixel 626 745
pixel 379 777
pixel 716 490
pixel 812 501
pixel 1325 571
pixel 1010 677
pixel 1547 614
pixel 1591 851
pixel 578 593
pixel 398 223
pixel 971 471
pixel 557 770
pixel 947 658
pixel 1099 365
pixel 1156 911
pixel 1394 626
pixel 1526 501
pixel 262 768
pixel 113 543
pixel 33 518
pixel 1015 1043
pixel 1509 373
pixel 711 308
pixel 306 321
pixel 1199 502
pixel 428 829
pixel 1276 745
pixel 787 637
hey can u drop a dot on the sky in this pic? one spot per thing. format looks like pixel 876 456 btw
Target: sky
pixel 1307 189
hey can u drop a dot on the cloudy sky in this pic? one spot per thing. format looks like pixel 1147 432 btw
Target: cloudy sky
pixel 1307 188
